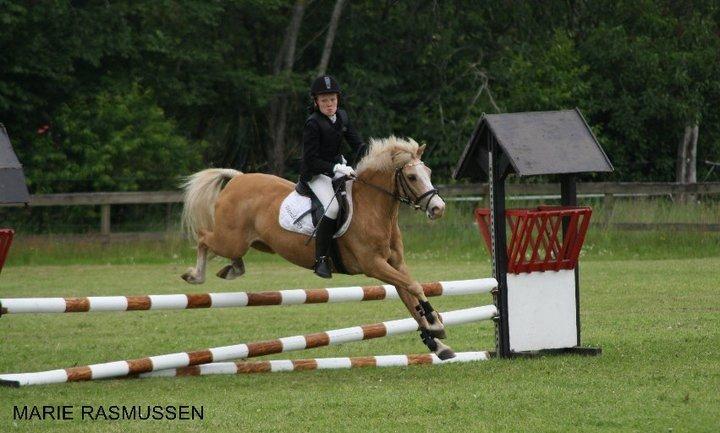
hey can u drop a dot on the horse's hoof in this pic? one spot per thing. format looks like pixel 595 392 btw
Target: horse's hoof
pixel 230 272
pixel 436 346
pixel 443 351
pixel 223 273
pixel 190 277
pixel 445 354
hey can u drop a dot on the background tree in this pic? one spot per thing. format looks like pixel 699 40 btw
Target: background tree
pixel 229 79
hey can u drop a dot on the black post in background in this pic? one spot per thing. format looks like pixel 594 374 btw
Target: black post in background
pixel 568 197
pixel 499 246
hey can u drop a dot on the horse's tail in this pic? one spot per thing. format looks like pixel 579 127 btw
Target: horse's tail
pixel 201 191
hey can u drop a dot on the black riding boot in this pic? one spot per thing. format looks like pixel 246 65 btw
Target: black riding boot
pixel 323 237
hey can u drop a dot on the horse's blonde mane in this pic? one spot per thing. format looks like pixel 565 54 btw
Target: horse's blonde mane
pixel 387 154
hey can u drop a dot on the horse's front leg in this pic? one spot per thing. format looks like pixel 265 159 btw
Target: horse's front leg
pixel 417 304
pixel 413 296
pixel 420 308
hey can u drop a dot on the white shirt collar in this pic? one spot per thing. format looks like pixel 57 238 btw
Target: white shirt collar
pixel 333 118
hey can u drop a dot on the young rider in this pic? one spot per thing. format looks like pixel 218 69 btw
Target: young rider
pixel 322 160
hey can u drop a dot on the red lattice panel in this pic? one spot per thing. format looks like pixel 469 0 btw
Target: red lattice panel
pixel 6 237
pixel 536 241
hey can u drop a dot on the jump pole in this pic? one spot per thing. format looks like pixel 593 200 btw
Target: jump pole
pixel 275 366
pixel 235 299
pixel 240 351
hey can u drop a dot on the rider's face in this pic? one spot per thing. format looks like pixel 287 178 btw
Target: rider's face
pixel 327 103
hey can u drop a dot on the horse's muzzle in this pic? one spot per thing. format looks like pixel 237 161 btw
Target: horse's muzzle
pixel 436 208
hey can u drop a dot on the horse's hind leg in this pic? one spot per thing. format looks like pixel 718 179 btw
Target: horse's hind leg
pixel 196 275
pixel 231 244
pixel 233 270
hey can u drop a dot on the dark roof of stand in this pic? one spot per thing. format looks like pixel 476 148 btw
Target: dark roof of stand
pixel 12 179
pixel 535 143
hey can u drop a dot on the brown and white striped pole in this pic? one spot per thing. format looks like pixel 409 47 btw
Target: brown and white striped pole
pixel 240 351
pixel 274 366
pixel 235 299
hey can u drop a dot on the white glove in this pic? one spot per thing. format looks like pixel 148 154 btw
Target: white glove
pixel 345 170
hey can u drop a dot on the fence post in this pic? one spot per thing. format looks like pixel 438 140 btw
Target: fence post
pixel 105 219
pixel 168 217
pixel 609 207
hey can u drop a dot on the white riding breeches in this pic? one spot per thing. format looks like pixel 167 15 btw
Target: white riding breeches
pixel 322 186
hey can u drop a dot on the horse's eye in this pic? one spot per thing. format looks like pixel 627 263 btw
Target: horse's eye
pixel 412 178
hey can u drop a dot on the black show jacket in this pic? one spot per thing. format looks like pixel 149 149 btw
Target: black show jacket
pixel 322 141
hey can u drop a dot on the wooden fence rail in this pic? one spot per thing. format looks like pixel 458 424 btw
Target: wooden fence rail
pixel 602 188
pixel 468 192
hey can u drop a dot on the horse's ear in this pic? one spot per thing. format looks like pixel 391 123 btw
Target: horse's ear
pixel 420 151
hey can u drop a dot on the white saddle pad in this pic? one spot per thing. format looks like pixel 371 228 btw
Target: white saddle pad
pixel 295 205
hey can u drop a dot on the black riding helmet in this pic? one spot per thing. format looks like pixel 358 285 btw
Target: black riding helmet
pixel 324 84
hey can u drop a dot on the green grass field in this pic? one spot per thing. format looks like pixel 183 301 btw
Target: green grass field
pixel 650 300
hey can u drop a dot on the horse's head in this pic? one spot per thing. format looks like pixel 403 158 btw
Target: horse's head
pixel 400 160
pixel 414 184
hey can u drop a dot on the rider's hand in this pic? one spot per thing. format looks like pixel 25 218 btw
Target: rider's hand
pixel 345 170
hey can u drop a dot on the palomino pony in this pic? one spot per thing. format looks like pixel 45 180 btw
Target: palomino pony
pixel 227 220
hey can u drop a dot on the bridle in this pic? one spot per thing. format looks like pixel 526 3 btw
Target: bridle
pixel 404 192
